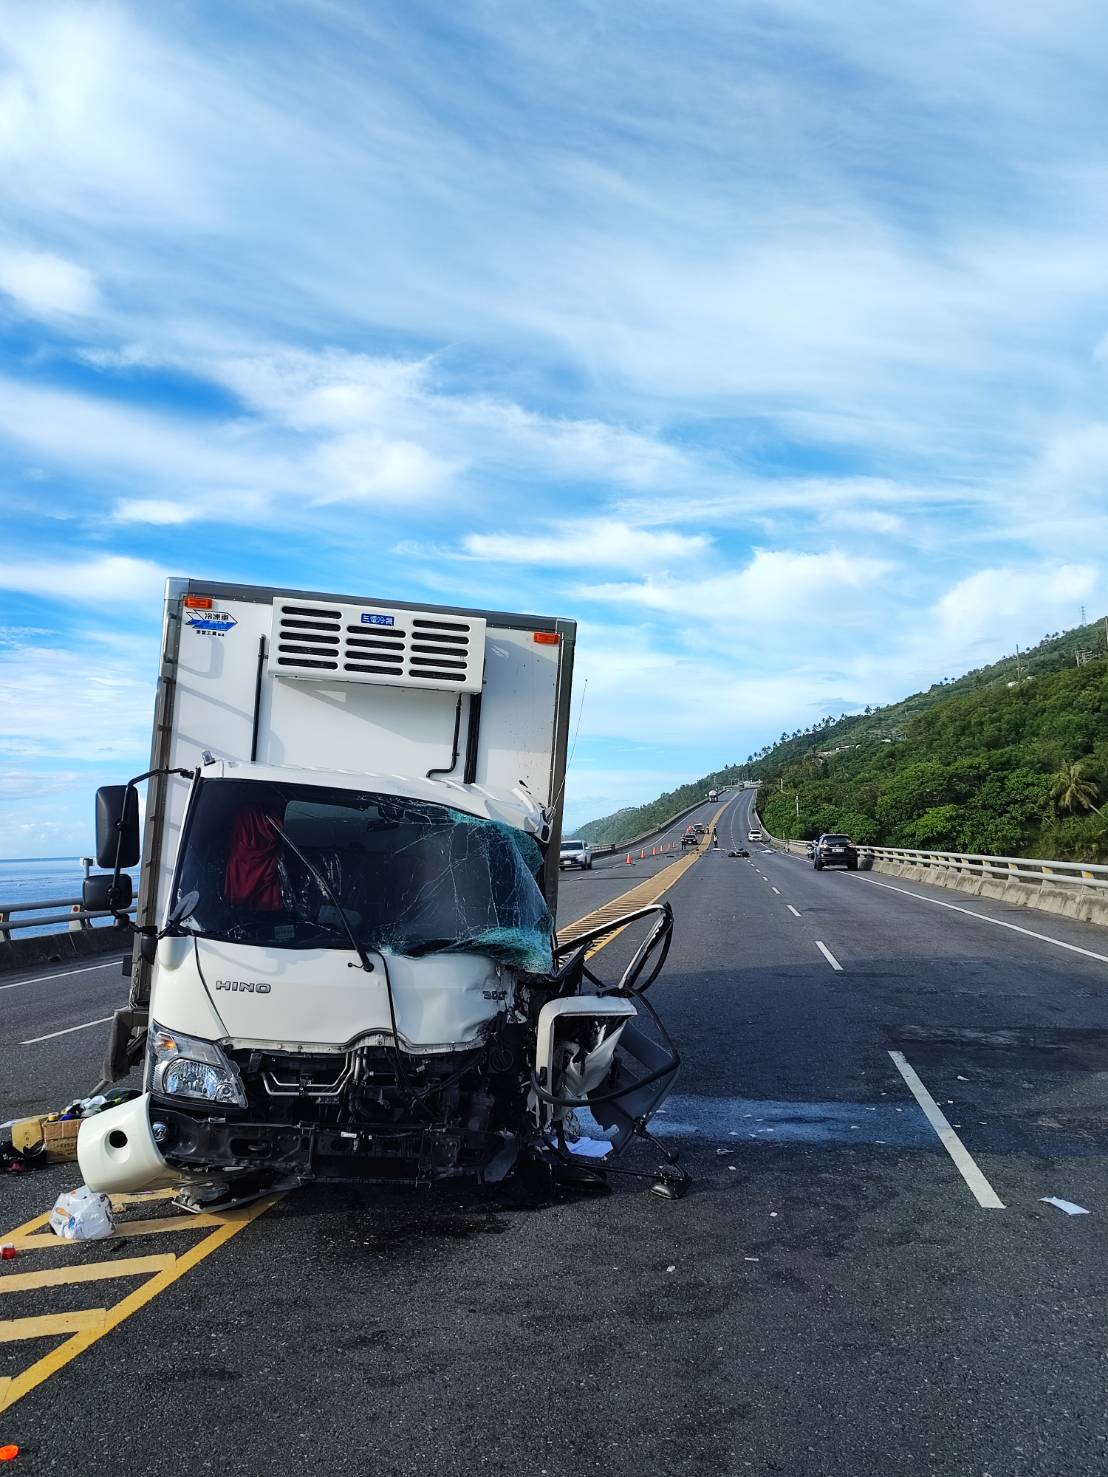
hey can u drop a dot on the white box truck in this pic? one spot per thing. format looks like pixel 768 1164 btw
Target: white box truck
pixel 345 966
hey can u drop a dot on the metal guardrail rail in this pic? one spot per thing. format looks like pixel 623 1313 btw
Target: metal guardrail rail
pixel 76 918
pixel 1044 871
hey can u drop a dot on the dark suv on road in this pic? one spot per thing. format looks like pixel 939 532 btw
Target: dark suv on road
pixel 834 850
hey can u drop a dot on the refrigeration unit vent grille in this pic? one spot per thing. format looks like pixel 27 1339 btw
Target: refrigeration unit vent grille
pixel 322 642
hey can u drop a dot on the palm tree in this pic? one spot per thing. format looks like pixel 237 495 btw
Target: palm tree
pixel 1074 790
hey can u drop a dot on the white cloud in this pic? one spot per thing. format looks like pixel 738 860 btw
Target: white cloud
pixel 775 586
pixel 100 580
pixel 588 543
pixel 46 286
pixel 61 704
pixel 1001 606
pixel 32 785
pixel 865 520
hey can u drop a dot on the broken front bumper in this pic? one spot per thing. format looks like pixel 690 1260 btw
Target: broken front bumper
pixel 145 1143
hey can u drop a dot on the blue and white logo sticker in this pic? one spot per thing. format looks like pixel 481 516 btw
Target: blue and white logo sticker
pixel 369 619
pixel 210 622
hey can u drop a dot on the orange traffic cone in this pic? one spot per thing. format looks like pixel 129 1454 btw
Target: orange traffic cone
pixel 653 851
pixel 642 855
pixel 630 860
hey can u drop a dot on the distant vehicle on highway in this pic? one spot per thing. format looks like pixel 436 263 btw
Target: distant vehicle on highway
pixel 835 850
pixel 713 794
pixel 754 836
pixel 699 827
pixel 576 854
pixel 690 838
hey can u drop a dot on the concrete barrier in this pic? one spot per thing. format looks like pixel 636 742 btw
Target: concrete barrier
pixel 59 948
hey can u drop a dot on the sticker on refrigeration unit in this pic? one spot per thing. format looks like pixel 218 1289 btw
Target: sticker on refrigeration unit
pixel 210 622
pixel 369 619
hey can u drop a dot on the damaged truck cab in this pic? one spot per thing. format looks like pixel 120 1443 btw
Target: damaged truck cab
pixel 345 965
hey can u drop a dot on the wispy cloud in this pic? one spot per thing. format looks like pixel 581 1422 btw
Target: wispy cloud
pixel 634 313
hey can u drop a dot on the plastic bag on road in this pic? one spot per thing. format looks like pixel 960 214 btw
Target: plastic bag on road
pixel 82 1215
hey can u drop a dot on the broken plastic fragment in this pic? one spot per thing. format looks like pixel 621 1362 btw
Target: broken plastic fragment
pixel 9 1453
pixel 1067 1205
pixel 671 1269
pixel 589 1148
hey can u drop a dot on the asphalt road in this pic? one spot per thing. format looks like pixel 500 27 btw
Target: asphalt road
pixel 830 1298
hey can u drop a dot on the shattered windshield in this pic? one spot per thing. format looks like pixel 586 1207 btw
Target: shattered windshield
pixel 412 877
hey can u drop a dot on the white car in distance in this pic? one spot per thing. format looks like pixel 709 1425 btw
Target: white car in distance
pixel 576 854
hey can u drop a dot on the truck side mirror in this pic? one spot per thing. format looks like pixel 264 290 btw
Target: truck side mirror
pixel 117 826
pixel 105 895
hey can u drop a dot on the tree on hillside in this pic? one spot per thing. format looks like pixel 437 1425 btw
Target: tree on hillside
pixel 1073 790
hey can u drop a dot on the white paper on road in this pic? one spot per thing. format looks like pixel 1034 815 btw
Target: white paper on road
pixel 1067 1205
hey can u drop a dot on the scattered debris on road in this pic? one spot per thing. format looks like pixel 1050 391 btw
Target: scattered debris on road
pixel 82 1215
pixel 1067 1205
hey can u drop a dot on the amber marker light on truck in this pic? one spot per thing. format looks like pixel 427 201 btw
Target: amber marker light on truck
pixel 546 638
pixel 197 602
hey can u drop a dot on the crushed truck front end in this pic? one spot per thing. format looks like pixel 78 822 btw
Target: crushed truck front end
pixel 343 970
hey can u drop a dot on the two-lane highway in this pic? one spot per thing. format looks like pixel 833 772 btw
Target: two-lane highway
pixel 867 1075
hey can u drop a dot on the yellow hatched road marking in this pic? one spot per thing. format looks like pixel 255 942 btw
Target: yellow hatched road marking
pixel 131 1266
pixel 98 1322
pixel 43 1325
pixel 47 1241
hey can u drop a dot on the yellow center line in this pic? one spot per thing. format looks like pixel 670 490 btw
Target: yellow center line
pixel 643 894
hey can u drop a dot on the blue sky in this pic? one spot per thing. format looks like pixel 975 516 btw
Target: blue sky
pixel 769 341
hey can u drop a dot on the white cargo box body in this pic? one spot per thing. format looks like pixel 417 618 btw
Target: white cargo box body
pixel 336 683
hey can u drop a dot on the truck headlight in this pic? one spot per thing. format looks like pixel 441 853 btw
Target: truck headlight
pixel 183 1066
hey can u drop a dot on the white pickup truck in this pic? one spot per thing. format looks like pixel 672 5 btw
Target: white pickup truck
pixel 345 964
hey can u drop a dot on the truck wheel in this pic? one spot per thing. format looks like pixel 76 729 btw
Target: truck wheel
pixel 852 866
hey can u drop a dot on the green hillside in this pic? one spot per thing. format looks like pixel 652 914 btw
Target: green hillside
pixel 1011 759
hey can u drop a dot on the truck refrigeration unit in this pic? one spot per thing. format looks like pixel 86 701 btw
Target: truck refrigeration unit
pixel 345 966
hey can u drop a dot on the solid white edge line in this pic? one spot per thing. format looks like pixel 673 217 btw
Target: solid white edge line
pixel 792 910
pixel 44 979
pixel 827 954
pixel 34 1040
pixel 984 918
pixel 964 1161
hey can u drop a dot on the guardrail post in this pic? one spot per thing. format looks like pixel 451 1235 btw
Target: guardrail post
pixel 5 917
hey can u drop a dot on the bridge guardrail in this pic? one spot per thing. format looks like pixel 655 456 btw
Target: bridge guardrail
pixel 76 918
pixel 1083 875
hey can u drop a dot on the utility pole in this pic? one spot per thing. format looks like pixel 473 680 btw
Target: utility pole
pixel 1019 666
pixel 1084 618
pixel 798 805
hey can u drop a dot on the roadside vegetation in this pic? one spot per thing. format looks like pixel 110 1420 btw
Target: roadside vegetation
pixel 1010 759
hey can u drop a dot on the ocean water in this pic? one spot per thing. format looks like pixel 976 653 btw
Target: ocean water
pixel 40 879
